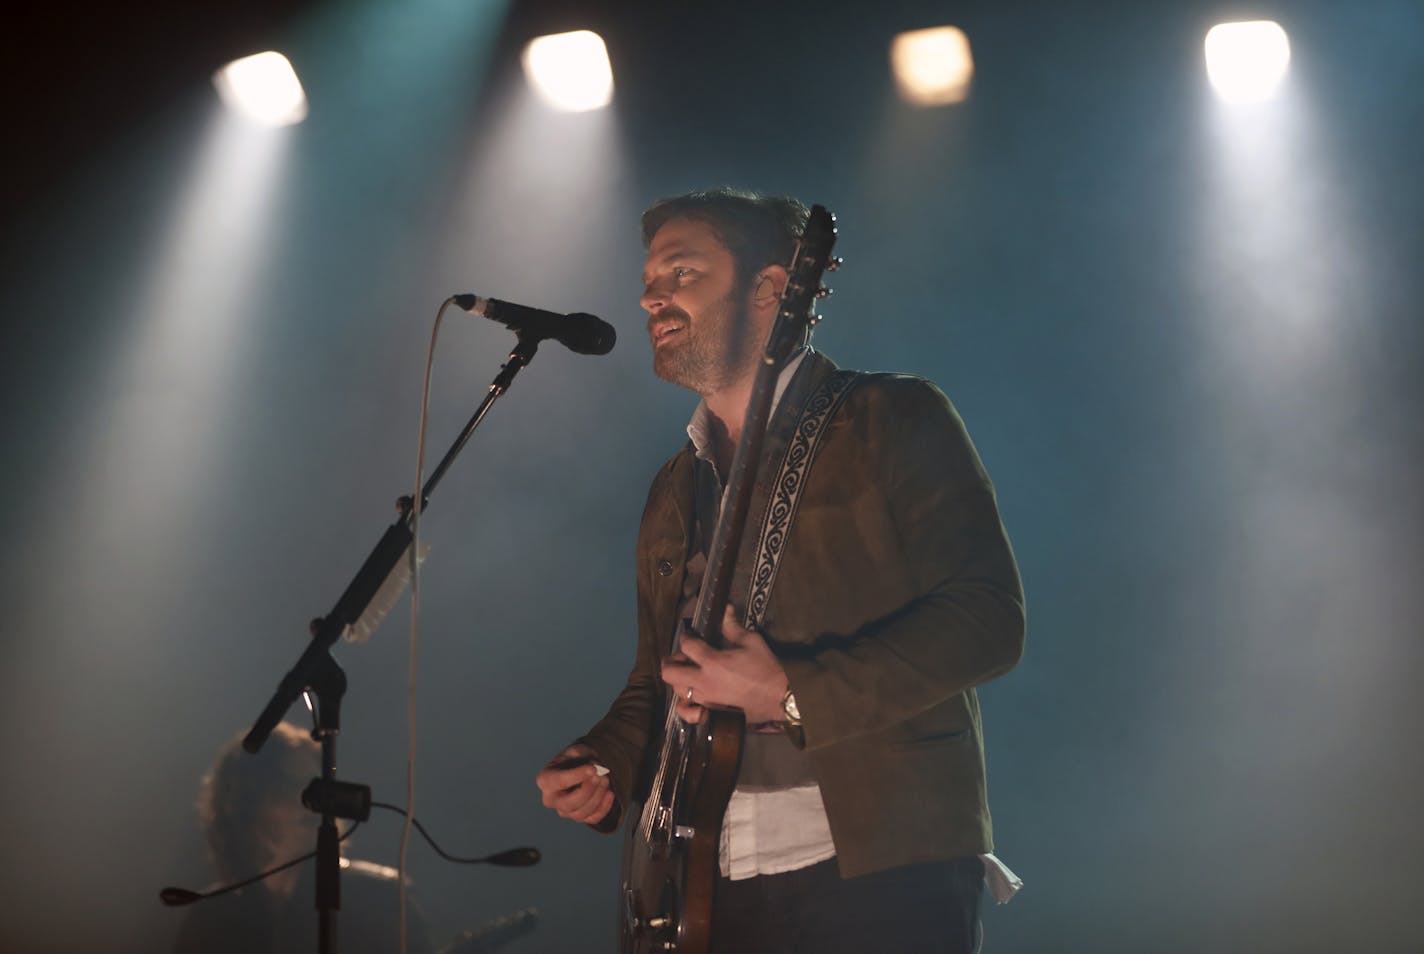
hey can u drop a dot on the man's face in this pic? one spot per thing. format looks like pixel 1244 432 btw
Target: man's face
pixel 697 321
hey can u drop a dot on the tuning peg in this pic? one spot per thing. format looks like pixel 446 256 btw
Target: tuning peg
pixel 834 264
pixel 823 292
pixel 813 320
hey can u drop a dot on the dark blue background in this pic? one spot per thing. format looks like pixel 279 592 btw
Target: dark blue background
pixel 1185 338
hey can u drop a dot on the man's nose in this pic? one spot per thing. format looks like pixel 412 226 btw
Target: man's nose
pixel 655 296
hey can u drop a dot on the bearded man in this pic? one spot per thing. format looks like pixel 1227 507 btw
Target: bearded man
pixel 860 817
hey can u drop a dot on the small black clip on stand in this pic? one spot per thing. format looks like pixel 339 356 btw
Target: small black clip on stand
pixel 316 671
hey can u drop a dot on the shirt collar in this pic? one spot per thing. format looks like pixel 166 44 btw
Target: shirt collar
pixel 699 429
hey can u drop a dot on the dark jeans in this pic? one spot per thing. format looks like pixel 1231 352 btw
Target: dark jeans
pixel 927 909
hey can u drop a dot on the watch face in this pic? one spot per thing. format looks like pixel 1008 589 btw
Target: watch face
pixel 792 712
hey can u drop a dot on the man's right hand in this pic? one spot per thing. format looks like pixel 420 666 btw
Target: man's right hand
pixel 572 786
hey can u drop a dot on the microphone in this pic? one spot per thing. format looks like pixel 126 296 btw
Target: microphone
pixel 514 858
pixel 579 332
pixel 177 897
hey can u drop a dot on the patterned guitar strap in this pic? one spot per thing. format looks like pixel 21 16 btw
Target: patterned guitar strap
pixel 771 762
pixel 786 489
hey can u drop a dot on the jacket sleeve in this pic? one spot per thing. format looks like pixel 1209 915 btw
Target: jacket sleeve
pixel 622 736
pixel 965 622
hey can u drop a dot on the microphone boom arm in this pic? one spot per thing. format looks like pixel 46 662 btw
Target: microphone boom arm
pixel 313 669
pixel 316 670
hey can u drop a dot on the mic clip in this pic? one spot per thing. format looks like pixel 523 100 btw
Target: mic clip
pixel 340 799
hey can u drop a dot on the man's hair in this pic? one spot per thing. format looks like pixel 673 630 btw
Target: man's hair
pixel 757 229
pixel 239 789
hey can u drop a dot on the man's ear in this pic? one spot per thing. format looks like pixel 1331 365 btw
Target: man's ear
pixel 767 287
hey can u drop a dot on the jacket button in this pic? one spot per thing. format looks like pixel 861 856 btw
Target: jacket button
pixel 664 568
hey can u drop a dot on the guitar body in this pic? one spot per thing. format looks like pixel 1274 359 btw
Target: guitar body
pixel 670 853
pixel 670 870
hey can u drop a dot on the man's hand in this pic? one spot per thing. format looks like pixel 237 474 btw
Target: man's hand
pixel 743 675
pixel 573 787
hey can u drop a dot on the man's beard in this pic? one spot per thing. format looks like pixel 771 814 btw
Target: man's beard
pixel 717 355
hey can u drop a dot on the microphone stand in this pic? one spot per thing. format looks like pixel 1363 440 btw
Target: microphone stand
pixel 316 671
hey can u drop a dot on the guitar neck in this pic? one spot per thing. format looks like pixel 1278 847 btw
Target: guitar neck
pixel 736 502
pixel 793 317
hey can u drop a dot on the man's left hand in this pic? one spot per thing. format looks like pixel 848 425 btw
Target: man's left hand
pixel 743 674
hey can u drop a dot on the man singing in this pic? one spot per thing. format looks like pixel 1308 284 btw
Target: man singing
pixel 860 815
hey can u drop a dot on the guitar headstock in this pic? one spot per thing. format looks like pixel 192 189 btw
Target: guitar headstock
pixel 803 285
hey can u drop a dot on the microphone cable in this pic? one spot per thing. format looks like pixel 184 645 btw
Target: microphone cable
pixel 175 897
pixel 509 858
pixel 417 505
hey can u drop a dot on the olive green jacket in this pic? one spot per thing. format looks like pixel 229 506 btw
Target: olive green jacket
pixel 897 594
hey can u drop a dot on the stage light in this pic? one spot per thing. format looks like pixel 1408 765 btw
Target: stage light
pixel 263 87
pixel 932 67
pixel 1246 61
pixel 570 70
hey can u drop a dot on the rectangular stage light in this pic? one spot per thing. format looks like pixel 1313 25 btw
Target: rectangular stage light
pixel 570 70
pixel 264 87
pixel 1246 61
pixel 932 67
